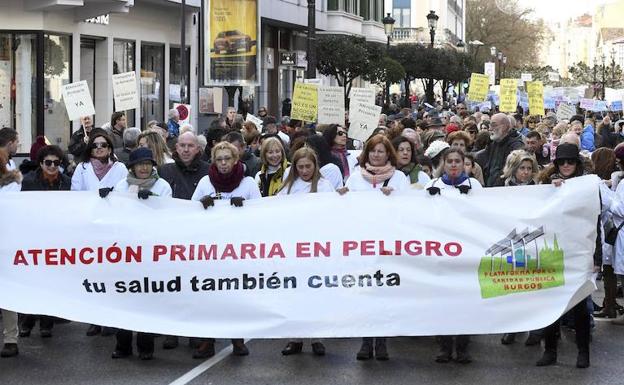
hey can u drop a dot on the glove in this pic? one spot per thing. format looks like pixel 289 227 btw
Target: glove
pixel 236 201
pixel 463 189
pixel 105 191
pixel 207 201
pixel 144 194
pixel 434 190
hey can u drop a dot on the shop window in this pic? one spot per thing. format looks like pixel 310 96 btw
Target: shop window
pixel 152 89
pixel 56 73
pixel 18 79
pixel 175 75
pixel 124 61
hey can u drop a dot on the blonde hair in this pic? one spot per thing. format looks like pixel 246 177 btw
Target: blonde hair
pixel 515 159
pixel 157 144
pixel 303 153
pixel 269 143
pixel 224 146
pixel 560 129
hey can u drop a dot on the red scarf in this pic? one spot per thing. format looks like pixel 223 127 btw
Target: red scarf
pixel 226 182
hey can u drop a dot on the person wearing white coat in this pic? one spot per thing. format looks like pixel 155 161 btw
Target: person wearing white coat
pixel 142 176
pixel 10 181
pixel 99 167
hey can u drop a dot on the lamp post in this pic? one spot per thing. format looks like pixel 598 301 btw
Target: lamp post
pixel 493 55
pixel 311 40
pixel 604 79
pixel 183 52
pixel 499 57
pixel 388 23
pixel 612 66
pixel 432 21
pixel 504 66
pixel 595 79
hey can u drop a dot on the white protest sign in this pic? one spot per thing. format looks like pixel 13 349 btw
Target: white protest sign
pixel 526 77
pixel 489 69
pixel 255 120
pixel 363 120
pixel 331 105
pixel 364 95
pixel 587 104
pixel 125 91
pixel 147 265
pixel 553 76
pixel 565 111
pixel 77 100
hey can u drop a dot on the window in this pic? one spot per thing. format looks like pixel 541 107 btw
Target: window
pixel 365 10
pixel 175 76
pixel 56 73
pixel 402 17
pixel 18 79
pixel 333 5
pixel 123 61
pixel 152 90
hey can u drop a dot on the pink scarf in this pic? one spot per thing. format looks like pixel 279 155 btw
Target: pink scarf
pixel 341 153
pixel 100 168
pixel 376 174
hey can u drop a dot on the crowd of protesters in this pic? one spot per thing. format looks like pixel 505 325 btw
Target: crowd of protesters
pixel 432 149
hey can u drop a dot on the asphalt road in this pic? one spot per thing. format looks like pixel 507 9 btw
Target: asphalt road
pixel 69 357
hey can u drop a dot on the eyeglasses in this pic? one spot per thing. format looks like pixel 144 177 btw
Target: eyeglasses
pixel 561 162
pixel 100 145
pixel 49 162
pixel 340 133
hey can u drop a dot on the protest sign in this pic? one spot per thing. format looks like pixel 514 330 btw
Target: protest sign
pixel 479 86
pixel 77 100
pixel 331 105
pixel 535 91
pixel 147 265
pixel 364 95
pixel 304 103
pixel 485 106
pixel 565 112
pixel 587 104
pixel 363 120
pixel 255 120
pixel 526 77
pixel 549 103
pixel 616 105
pixel 489 69
pixel 125 91
pixel 600 106
pixel 508 96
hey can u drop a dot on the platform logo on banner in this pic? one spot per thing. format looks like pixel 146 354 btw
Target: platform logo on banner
pixel 522 261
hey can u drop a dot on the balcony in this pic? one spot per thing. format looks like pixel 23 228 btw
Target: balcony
pixel 444 38
pixel 83 9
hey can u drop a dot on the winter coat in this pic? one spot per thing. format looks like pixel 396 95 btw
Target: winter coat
pixel 494 157
pixel 587 138
pixel 34 181
pixel 77 144
pixel 184 179
pixel 84 178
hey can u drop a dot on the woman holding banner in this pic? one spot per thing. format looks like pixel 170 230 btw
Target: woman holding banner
pixel 377 170
pixel 9 182
pixel 406 154
pixel 270 178
pixel 567 165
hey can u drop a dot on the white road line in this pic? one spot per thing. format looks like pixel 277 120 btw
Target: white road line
pixel 201 368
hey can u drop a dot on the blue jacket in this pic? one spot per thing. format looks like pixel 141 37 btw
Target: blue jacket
pixel 173 128
pixel 587 138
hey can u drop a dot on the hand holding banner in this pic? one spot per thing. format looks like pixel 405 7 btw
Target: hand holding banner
pixel 305 102
pixel 536 97
pixel 77 100
pixel 363 120
pixel 508 96
pixel 479 85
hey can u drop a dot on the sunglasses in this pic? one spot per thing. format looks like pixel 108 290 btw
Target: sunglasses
pixel 561 162
pixel 49 162
pixel 340 133
pixel 100 145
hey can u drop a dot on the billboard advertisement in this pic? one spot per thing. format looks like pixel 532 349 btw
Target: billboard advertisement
pixel 231 43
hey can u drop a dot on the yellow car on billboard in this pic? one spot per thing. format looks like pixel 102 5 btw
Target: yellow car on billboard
pixel 231 42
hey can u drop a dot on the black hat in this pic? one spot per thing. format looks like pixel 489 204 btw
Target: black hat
pixel 567 151
pixel 139 155
pixel 580 118
pixel 436 122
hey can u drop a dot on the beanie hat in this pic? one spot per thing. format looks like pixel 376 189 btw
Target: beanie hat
pixel 619 151
pixel 451 127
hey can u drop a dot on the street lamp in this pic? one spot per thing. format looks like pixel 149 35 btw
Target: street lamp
pixel 460 44
pixel 612 66
pixel 504 65
pixel 388 23
pixel 432 20
pixel 604 80
pixel 492 51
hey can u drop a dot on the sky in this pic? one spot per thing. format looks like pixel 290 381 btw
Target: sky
pixel 559 10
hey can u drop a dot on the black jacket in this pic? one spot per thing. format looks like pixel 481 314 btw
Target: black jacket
pixel 34 181
pixel 495 155
pixel 76 143
pixel 182 179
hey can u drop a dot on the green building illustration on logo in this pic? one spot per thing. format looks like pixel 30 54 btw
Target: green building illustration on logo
pixel 517 264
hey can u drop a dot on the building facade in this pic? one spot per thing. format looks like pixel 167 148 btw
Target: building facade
pixel 45 44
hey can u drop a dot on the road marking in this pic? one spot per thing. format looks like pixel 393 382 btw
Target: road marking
pixel 201 368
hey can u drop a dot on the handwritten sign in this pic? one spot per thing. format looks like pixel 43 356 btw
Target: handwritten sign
pixel 304 103
pixel 125 91
pixel 77 100
pixel 526 77
pixel 489 68
pixel 331 105
pixel 364 95
pixel 536 97
pixel 587 104
pixel 565 111
pixel 363 119
pixel 508 96
pixel 255 120
pixel 479 85
pixel 616 105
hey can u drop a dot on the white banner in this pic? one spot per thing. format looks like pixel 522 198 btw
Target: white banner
pixel 77 100
pixel 125 91
pixel 331 105
pixel 370 265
